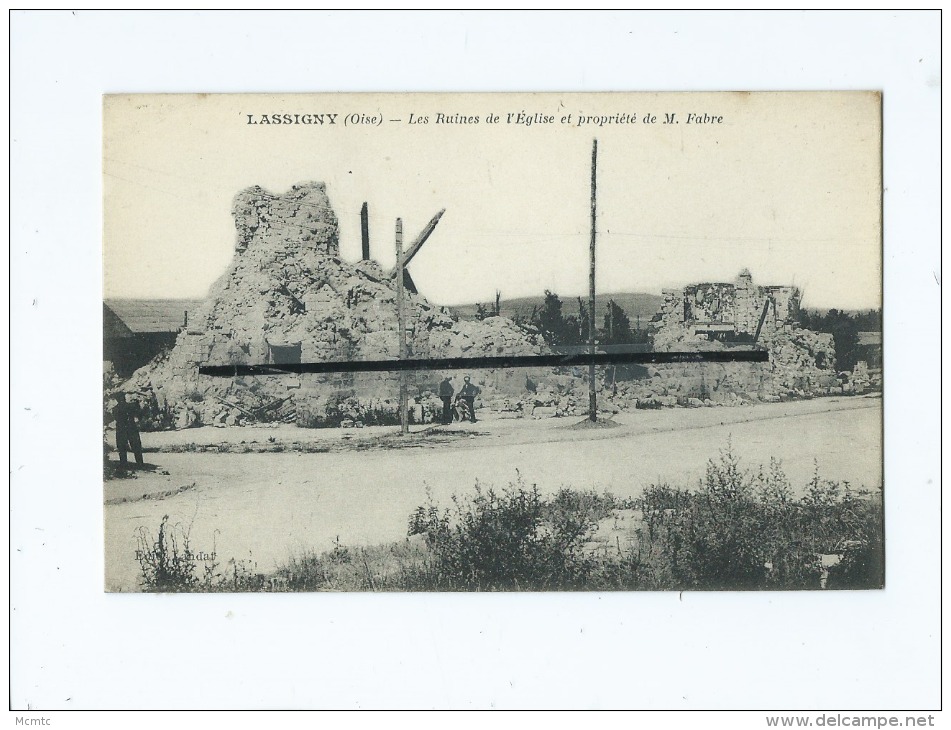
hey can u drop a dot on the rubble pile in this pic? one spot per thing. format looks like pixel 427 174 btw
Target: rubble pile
pixel 288 297
pixel 555 392
pixel 695 385
pixel 722 316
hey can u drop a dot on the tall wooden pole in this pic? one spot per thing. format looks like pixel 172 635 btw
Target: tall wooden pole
pixel 365 232
pixel 404 398
pixel 592 395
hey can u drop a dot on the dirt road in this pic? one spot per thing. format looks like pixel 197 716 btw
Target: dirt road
pixel 266 506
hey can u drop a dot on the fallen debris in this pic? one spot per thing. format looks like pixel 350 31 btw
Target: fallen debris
pixel 288 297
pixel 738 315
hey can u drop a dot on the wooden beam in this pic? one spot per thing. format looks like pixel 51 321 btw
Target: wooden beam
pixel 762 318
pixel 420 240
pixel 365 231
pixel 400 259
pixel 592 385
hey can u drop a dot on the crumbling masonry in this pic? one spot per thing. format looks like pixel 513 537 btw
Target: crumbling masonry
pixel 288 297
pixel 736 312
pixel 740 314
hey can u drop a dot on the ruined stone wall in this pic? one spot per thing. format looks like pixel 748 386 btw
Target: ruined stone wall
pixel 738 305
pixel 287 294
pixel 708 316
pixel 301 217
pixel 735 307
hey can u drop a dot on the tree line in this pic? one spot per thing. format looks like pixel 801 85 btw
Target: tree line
pixel 558 328
pixel 561 329
pixel 844 328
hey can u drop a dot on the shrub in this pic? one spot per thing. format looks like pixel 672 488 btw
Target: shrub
pixel 863 551
pixel 738 530
pixel 589 504
pixel 508 540
pixel 709 539
pixel 195 396
pixel 342 407
pixel 397 566
pixel 743 531
pixel 169 566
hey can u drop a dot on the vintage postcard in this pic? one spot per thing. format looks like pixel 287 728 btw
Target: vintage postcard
pixel 493 342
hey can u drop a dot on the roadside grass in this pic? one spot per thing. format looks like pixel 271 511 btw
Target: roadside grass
pixel 739 530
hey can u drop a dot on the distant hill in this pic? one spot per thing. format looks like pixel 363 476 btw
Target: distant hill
pixel 633 303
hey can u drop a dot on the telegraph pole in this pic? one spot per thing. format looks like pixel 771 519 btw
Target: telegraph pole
pixel 404 398
pixel 592 395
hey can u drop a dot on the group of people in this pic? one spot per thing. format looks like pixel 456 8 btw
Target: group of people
pixel 125 413
pixel 464 405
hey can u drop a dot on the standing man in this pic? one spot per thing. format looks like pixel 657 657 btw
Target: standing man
pixel 127 431
pixel 445 392
pixel 468 394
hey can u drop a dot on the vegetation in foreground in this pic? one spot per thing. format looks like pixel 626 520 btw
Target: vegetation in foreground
pixel 740 530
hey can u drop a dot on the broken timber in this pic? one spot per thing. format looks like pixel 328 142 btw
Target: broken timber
pixel 400 263
pixel 762 319
pixel 418 243
pixel 365 233
pixel 592 385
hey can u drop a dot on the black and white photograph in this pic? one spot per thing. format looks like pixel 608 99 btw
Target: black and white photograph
pixel 439 361
pixel 493 342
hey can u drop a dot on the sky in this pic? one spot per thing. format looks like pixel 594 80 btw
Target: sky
pixel 785 184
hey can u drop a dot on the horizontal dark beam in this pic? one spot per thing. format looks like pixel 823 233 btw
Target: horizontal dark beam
pixel 478 363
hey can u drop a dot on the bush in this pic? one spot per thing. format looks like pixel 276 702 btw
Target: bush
pixel 397 566
pixel 863 551
pixel 168 565
pixel 592 505
pixel 739 530
pixel 195 396
pixel 509 540
pixel 745 531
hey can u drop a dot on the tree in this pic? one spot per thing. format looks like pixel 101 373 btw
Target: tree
pixel 617 326
pixel 555 327
pixel 845 334
pixel 484 311
pixel 844 328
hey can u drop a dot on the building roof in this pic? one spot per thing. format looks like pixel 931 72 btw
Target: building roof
pixel 870 338
pixel 152 315
pixel 112 326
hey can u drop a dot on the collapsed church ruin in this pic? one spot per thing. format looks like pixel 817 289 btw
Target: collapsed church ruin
pixel 741 314
pixel 738 311
pixel 287 297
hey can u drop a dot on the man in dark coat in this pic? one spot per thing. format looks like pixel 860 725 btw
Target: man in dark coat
pixel 127 431
pixel 445 392
pixel 468 394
